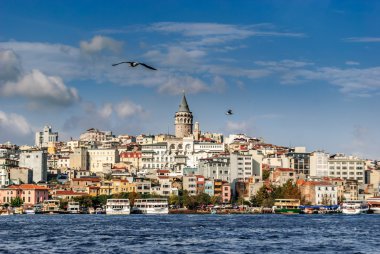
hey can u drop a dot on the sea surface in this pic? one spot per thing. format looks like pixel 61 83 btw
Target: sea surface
pixel 190 234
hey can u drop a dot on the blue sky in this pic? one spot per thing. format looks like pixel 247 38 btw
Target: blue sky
pixel 299 73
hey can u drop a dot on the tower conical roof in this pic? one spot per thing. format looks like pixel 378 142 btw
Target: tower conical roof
pixel 183 107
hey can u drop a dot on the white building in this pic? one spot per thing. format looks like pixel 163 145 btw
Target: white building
pixel 241 166
pixel 319 164
pixel 46 136
pixel 346 167
pixel 326 194
pixel 96 135
pixel 102 160
pixel 37 161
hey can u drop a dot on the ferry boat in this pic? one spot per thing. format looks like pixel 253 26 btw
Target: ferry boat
pixel 118 206
pixel 50 206
pixel 354 207
pixel 151 206
pixel 286 206
pixel 73 207
pixel 374 205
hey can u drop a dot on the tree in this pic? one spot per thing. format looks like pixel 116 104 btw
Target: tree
pixel 16 202
pixel 174 200
pixel 266 174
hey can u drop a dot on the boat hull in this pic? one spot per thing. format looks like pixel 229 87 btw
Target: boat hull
pixel 287 210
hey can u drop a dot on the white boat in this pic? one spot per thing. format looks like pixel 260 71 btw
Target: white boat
pixel 374 205
pixel 118 206
pixel 151 206
pixel 51 206
pixel 73 207
pixel 354 207
pixel 30 211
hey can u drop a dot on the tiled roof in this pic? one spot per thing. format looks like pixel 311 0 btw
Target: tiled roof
pixel 88 179
pixel 28 187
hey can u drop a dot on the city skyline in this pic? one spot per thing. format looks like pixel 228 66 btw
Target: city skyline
pixel 295 74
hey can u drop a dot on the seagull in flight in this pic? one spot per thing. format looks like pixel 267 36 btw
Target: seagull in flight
pixel 229 112
pixel 134 64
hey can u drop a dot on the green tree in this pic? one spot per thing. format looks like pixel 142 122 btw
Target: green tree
pixel 174 200
pixel 203 199
pixel 16 202
pixel 266 174
pixel 215 200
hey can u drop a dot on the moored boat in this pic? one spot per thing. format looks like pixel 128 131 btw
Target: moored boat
pixel 118 206
pixel 50 206
pixel 73 207
pixel 354 207
pixel 151 206
pixel 286 206
pixel 374 205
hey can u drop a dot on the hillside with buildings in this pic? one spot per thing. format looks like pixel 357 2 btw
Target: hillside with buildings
pixel 191 162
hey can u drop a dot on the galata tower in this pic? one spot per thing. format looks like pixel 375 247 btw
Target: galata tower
pixel 183 120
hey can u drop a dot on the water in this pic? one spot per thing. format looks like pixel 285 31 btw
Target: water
pixel 190 234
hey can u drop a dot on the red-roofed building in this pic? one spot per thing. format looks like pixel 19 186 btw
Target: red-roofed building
pixel 81 184
pixel 280 176
pixel 319 193
pixel 132 158
pixel 67 194
pixel 30 194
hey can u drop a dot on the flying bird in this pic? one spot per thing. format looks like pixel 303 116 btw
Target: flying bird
pixel 229 112
pixel 135 64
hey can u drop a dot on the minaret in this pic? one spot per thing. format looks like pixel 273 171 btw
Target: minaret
pixel 183 120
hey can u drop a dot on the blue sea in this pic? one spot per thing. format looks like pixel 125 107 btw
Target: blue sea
pixel 190 234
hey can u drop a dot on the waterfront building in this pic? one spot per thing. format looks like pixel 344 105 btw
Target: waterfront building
pixel 226 193
pixel 46 136
pixel 30 194
pixel 190 184
pixel 37 161
pixel 346 167
pixel 209 187
pixel 319 193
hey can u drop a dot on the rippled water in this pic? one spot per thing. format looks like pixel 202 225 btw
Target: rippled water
pixel 190 234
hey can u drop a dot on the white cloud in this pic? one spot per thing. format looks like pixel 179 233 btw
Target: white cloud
pixel 362 39
pixel 10 66
pixel 352 63
pixel 127 109
pixel 176 85
pixel 41 88
pixel 215 33
pixel 284 64
pixel 14 124
pixel 106 110
pixel 353 81
pixel 237 127
pixel 100 44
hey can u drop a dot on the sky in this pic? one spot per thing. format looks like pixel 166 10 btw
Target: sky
pixel 296 73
